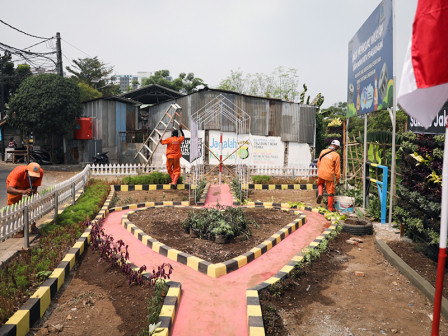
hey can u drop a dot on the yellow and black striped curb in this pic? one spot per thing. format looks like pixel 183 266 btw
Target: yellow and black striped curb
pixel 303 186
pixel 169 308
pixel 268 205
pixel 147 187
pixel 203 195
pixel 20 323
pixel 206 267
pixel 254 315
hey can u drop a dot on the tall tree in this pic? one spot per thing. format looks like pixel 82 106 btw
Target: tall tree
pixel 94 73
pixel 281 83
pixel 184 83
pixel 10 77
pixel 47 106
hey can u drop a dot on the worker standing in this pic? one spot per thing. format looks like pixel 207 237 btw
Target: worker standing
pixel 328 168
pixel 173 154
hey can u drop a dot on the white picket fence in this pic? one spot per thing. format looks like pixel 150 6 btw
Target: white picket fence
pixel 123 169
pixel 304 172
pixel 33 208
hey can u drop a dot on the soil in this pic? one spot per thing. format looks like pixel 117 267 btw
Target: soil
pixel 165 225
pixel 285 196
pixel 141 196
pixel 97 300
pixel 427 268
pixel 327 298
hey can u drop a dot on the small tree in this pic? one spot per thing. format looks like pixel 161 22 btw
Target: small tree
pixel 94 73
pixel 46 105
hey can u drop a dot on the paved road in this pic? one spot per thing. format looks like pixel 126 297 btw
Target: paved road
pixel 4 172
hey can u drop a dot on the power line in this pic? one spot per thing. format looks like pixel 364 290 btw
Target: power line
pixel 44 38
pixel 75 47
pixel 38 43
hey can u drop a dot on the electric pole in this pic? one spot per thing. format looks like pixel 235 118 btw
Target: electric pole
pixel 59 69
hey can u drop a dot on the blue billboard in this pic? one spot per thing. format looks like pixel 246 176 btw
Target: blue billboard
pixel 370 63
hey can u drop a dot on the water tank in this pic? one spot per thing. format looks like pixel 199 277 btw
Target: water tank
pixel 83 129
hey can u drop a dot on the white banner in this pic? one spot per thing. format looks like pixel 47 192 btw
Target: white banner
pixel 263 151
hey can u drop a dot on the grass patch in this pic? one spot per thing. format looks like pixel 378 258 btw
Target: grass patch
pixel 152 178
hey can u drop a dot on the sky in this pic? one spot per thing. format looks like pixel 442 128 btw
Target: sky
pixel 208 37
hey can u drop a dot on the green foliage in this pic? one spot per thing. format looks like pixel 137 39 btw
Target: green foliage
pixel 185 83
pixel 45 102
pixel 11 77
pixel 87 92
pixel 152 178
pixel 207 223
pixel 281 83
pixel 236 188
pixel 261 179
pixel 94 73
pixel 200 189
pixel 31 267
pixel 153 307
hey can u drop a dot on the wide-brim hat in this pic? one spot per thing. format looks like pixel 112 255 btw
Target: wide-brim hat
pixel 33 169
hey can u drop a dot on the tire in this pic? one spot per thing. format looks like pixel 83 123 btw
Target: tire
pixel 361 228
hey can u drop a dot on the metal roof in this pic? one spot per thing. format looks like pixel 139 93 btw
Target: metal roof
pixel 152 94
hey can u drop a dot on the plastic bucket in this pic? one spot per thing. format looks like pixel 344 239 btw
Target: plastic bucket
pixel 344 203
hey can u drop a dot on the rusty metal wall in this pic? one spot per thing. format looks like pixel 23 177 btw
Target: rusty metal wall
pixel 298 123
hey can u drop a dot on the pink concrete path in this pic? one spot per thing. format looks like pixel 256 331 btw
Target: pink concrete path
pixel 218 193
pixel 212 306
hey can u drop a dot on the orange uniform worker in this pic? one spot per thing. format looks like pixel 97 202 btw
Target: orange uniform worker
pixel 23 181
pixel 328 168
pixel 173 154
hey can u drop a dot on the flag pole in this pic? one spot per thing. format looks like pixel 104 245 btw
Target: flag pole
pixel 394 124
pixel 442 245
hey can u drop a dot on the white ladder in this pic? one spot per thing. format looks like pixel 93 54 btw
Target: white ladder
pixel 149 147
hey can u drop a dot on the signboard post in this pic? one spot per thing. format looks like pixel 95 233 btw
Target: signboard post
pixel 371 75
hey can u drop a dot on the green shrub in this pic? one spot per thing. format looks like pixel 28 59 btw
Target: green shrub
pixel 261 179
pixel 152 178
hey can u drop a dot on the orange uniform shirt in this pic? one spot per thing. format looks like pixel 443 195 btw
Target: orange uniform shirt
pixel 19 179
pixel 329 166
pixel 173 148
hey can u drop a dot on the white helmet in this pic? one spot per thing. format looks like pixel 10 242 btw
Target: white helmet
pixel 336 142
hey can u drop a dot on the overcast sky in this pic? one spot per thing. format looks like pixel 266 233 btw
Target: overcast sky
pixel 209 38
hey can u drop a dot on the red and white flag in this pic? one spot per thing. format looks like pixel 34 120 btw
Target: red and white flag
pixel 424 81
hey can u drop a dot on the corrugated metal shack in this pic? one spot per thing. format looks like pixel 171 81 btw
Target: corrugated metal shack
pixel 269 116
pixel 112 117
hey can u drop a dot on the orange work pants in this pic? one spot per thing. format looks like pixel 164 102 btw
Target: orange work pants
pixel 173 166
pixel 328 184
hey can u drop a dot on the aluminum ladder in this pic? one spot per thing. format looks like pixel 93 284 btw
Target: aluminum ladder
pixel 148 149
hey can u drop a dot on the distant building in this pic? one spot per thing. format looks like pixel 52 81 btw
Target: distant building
pixel 143 74
pixel 125 82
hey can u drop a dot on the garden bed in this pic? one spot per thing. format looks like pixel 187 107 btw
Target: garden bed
pixel 142 196
pixel 308 197
pixel 98 301
pixel 327 298
pixel 165 225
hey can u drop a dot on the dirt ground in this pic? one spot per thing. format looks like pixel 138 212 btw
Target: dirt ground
pixel 141 196
pixel 98 301
pixel 165 225
pixel 327 298
pixel 284 196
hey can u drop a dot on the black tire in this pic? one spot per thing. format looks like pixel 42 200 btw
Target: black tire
pixel 361 228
